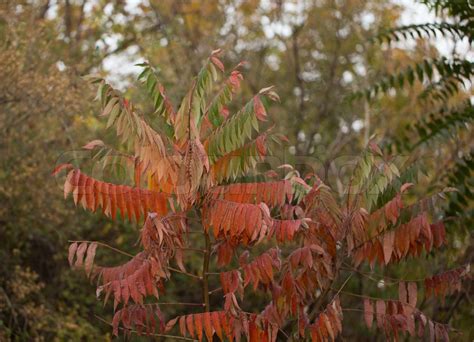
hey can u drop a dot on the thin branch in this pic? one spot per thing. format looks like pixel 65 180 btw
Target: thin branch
pixel 215 290
pixel 343 285
pixel 394 281
pixel 185 273
pixel 104 245
pixel 172 303
pixel 178 303
pixel 136 332
pixel 193 249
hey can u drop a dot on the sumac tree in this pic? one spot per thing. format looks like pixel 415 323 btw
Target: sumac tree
pixel 287 237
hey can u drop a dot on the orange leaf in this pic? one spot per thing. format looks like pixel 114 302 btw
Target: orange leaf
pixel 190 325
pixel 217 324
pixel 170 324
pixel 182 325
pixel 198 325
pixel 208 325
pixel 225 325
pixel 61 167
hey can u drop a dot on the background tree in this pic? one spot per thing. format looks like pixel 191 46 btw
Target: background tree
pixel 43 107
pixel 434 92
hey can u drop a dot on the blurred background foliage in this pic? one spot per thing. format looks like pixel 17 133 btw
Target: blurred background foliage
pixel 328 60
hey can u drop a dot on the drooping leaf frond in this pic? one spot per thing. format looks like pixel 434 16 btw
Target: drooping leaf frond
pixel 260 270
pixel 446 283
pixel 220 323
pixel 148 144
pixel 394 317
pixel 415 31
pixel 285 230
pixel 273 194
pixel 161 103
pixel 141 318
pixel 427 70
pixel 238 222
pixel 441 124
pixel 408 239
pixel 328 325
pixel 239 161
pixel 238 128
pixel 217 104
pixel 133 202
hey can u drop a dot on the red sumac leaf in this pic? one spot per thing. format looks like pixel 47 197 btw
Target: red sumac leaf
pixel 90 258
pixel 217 62
pixel 380 312
pixel 182 325
pixel 81 250
pixel 405 186
pixel 216 323
pixel 93 144
pixel 198 325
pixel 208 325
pixel 412 294
pixel 61 167
pixel 402 292
pixel 368 312
pixel 190 325
pixel 170 324
pixel 72 253
pixel 259 109
pixel 116 322
pixel 388 245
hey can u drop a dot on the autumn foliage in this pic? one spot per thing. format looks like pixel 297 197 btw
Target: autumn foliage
pixel 287 237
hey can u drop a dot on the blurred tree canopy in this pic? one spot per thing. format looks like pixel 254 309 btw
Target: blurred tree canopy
pixel 316 53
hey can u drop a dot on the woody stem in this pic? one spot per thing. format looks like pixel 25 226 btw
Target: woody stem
pixel 205 269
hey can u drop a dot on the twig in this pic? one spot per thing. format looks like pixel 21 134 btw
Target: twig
pixel 177 303
pixel 369 276
pixel 215 290
pixel 152 334
pixel 104 245
pixel 343 285
pixel 172 303
pixel 185 273
pixel 193 249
